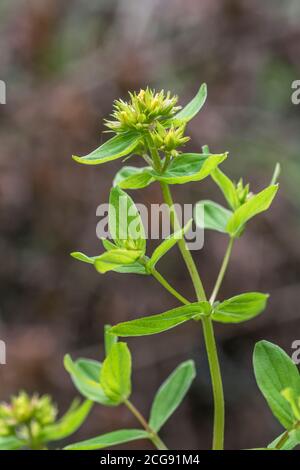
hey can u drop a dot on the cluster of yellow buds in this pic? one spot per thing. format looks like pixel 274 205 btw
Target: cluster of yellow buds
pixel 243 192
pixel 167 140
pixel 142 110
pixel 24 411
pixel 289 395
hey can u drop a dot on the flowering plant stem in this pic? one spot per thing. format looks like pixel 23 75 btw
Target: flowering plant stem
pixel 154 437
pixel 222 271
pixel 209 337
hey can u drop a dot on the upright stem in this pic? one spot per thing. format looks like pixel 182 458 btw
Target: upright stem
pixel 210 342
pixel 222 271
pixel 198 286
pixel 156 440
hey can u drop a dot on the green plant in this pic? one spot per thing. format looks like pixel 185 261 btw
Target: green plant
pixel 152 126
pixel 109 384
pixel 279 381
pixel 30 422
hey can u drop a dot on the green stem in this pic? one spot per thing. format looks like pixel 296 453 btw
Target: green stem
pixel 153 436
pixel 198 286
pixel 209 337
pixel 168 287
pixel 222 271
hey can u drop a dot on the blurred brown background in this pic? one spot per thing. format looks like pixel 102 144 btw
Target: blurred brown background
pixel 64 62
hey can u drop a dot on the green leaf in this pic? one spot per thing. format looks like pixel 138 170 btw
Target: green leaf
pixel 85 375
pixel 240 308
pixel 210 215
pixel 109 439
pixel 227 187
pixel 255 205
pixel 125 223
pixel 189 167
pixel 82 257
pixel 115 376
pixel 130 177
pixel 68 424
pixel 193 107
pixel 135 268
pixel 274 372
pixel 117 147
pixel 11 443
pixel 114 259
pixel 171 393
pixel 131 268
pixel 109 339
pixel 292 441
pixel 161 322
pixel 166 245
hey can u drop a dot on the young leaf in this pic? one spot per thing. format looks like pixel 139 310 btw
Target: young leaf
pixel 255 205
pixel 117 147
pixel 130 177
pixel 288 442
pixel 109 339
pixel 82 257
pixel 171 393
pixel 189 167
pixel 227 187
pixel 240 308
pixel 274 372
pixel 131 268
pixel 85 375
pixel 115 376
pixel 135 268
pixel 68 424
pixel 113 259
pixel 193 107
pixel 210 215
pixel 166 245
pixel 109 439
pixel 125 223
pixel 161 322
pixel 11 443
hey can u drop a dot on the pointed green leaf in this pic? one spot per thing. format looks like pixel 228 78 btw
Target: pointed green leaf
pixel 274 372
pixel 115 377
pixel 255 205
pixel 68 424
pixel 161 322
pixel 193 107
pixel 117 147
pixel 210 215
pixel 135 268
pixel 288 442
pixel 111 262
pixel 125 223
pixel 171 393
pixel 110 439
pixel 189 167
pixel 130 177
pixel 85 375
pixel 11 443
pixel 113 259
pixel 82 257
pixel 227 187
pixel 240 308
pixel 166 245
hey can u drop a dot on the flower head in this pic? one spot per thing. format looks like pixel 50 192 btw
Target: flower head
pixel 167 140
pixel 25 410
pixel 142 110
